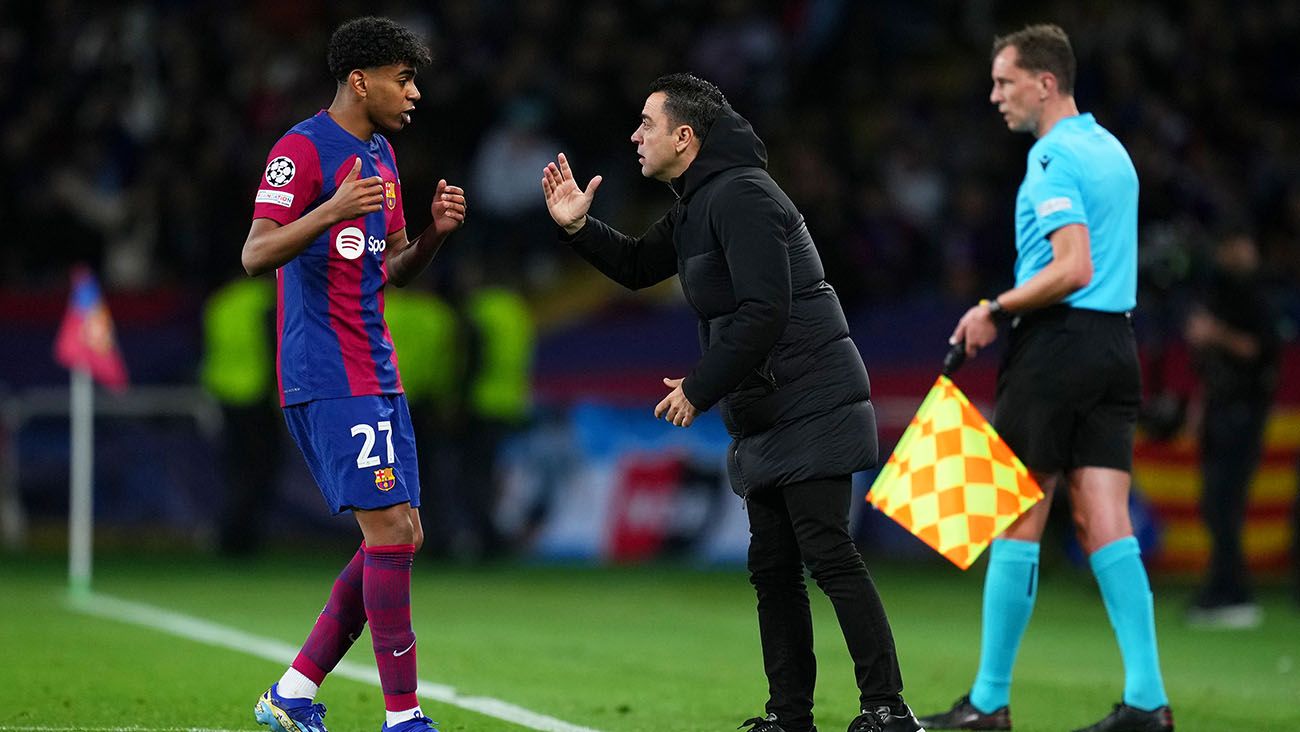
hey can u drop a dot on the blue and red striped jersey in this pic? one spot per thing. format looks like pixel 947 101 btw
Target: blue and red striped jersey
pixel 331 338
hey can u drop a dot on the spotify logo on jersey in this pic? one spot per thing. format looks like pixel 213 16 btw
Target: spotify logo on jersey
pixel 351 242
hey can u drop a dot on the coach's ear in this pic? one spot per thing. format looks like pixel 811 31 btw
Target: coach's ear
pixel 683 137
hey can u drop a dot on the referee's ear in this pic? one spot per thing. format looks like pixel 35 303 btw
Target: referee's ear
pixel 1048 85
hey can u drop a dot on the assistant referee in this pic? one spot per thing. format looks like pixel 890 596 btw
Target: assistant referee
pixel 1068 386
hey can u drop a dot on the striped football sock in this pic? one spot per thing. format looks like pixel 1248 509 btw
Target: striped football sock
pixel 336 629
pixel 387 592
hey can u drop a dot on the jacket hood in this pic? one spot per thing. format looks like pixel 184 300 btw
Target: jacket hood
pixel 731 143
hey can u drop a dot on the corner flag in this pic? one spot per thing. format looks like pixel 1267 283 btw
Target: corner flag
pixel 86 341
pixel 951 480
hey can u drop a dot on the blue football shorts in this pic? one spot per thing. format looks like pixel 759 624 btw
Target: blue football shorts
pixel 360 450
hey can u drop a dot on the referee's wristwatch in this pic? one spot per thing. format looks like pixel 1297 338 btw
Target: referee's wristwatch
pixel 996 311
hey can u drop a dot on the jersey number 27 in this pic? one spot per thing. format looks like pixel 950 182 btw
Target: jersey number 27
pixel 364 458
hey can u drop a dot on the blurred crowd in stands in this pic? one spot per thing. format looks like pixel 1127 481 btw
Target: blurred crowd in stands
pixel 134 133
pixel 133 136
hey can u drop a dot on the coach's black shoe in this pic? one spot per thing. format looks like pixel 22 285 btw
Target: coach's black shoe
pixel 884 719
pixel 964 715
pixel 1124 718
pixel 865 722
pixel 765 724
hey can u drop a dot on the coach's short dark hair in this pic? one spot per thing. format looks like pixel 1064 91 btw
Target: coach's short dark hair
pixel 369 42
pixel 690 101
pixel 1042 47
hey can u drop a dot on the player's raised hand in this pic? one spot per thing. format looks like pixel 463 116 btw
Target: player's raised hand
pixel 566 202
pixel 448 208
pixel 357 196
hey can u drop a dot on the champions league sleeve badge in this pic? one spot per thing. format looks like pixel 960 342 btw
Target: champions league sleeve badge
pixel 280 171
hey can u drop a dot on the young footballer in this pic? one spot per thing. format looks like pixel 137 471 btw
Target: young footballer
pixel 329 221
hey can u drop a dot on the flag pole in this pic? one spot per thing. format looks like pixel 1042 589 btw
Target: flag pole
pixel 81 500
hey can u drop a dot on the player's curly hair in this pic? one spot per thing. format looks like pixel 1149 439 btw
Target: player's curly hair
pixel 690 101
pixel 365 43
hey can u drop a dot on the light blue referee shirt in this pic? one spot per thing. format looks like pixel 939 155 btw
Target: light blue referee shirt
pixel 1078 173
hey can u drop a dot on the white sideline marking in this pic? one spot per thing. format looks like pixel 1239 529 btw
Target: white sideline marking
pixel 213 634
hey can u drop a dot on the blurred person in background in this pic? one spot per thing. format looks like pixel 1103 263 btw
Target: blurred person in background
pixel 426 334
pixel 506 209
pixel 498 340
pixel 1295 543
pixel 238 371
pixel 778 360
pixel 328 219
pixel 1069 386
pixel 1234 338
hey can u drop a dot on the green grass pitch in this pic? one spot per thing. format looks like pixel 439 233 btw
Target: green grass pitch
pixel 613 649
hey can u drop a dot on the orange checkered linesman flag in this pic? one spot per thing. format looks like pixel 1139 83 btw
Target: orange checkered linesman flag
pixel 952 481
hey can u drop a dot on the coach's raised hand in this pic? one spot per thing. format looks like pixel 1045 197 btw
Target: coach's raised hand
pixel 357 196
pixel 566 202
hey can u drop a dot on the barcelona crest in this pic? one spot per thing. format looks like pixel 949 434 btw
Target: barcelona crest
pixel 390 194
pixel 384 479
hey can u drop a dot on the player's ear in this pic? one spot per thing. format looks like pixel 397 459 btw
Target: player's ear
pixel 357 82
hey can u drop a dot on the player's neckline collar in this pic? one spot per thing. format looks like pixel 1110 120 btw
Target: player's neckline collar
pixel 372 142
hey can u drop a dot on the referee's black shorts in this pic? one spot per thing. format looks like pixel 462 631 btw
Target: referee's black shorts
pixel 1069 389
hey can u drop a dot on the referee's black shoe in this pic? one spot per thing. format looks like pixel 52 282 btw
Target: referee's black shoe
pixel 1124 718
pixel 964 715
pixel 885 719
pixel 765 724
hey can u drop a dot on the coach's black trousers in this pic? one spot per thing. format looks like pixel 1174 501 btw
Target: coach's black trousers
pixel 808 524
pixel 1232 438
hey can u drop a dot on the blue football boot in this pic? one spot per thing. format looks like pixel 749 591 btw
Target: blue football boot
pixel 289 715
pixel 418 724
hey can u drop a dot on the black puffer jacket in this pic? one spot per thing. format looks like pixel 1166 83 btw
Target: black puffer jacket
pixel 776 347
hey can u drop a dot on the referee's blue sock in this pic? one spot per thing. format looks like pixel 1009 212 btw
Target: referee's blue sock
pixel 1010 586
pixel 1126 591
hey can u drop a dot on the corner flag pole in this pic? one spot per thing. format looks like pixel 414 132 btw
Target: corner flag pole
pixel 81 500
pixel 86 346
